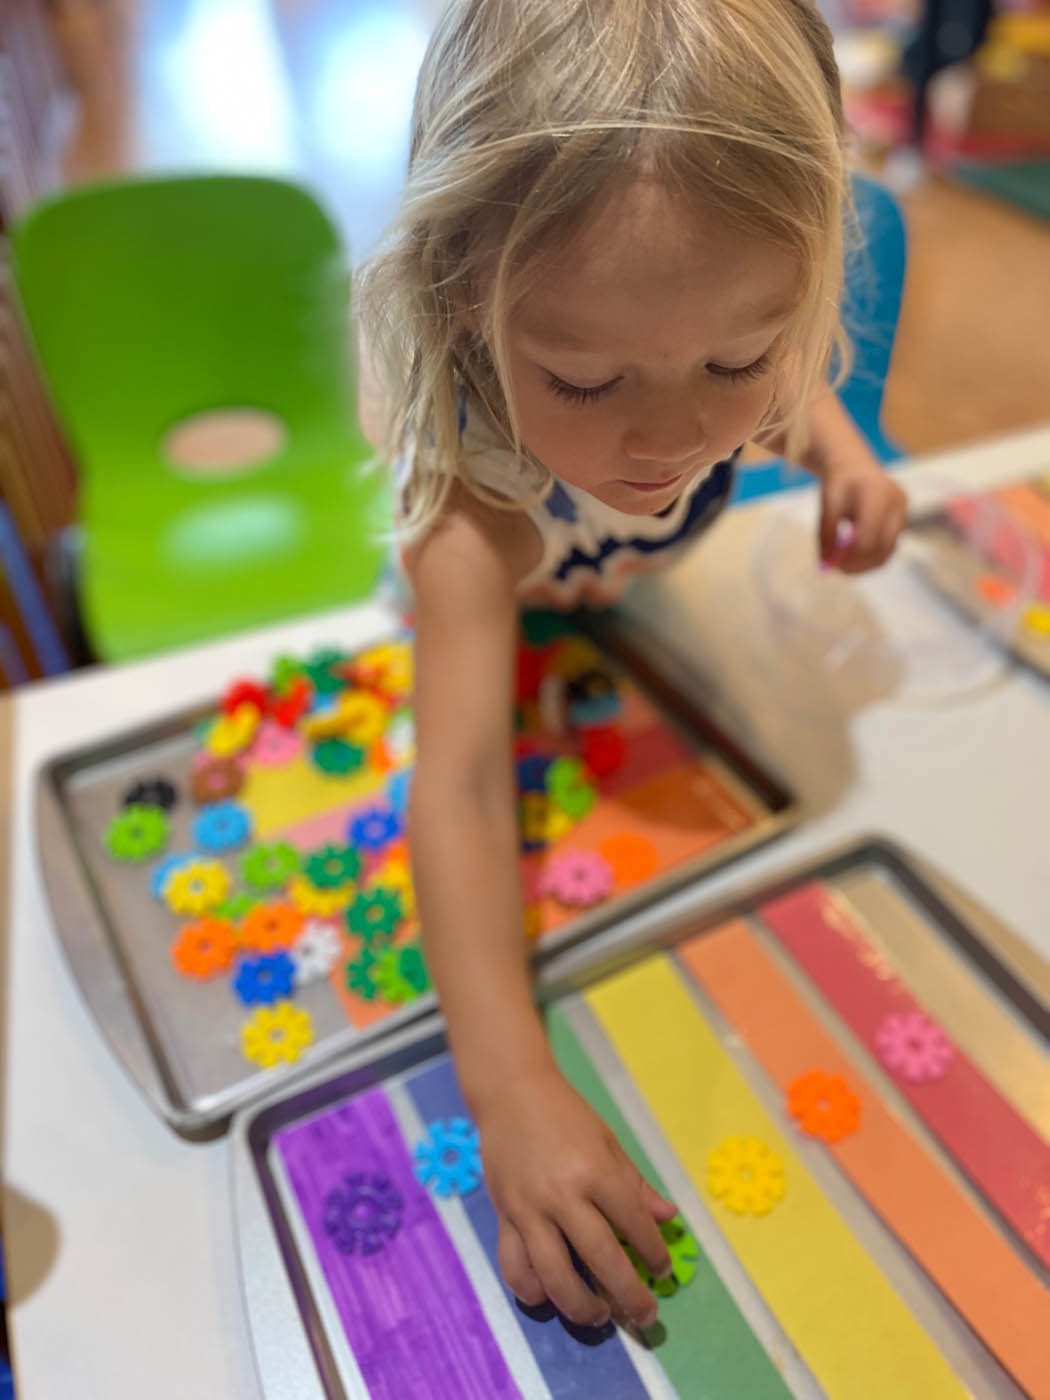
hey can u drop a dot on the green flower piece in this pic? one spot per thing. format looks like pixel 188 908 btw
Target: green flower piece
pixel 684 1252
pixel 400 974
pixel 321 670
pixel 539 628
pixel 237 905
pixel 332 866
pixel 337 758
pixel 285 670
pixel 359 975
pixel 137 832
pixel 569 787
pixel 270 867
pixel 375 914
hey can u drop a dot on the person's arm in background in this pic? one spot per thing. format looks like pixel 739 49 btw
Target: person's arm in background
pixel 554 1170
pixel 855 488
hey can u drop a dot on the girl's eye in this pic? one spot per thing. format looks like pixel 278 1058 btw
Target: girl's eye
pixel 744 372
pixel 574 393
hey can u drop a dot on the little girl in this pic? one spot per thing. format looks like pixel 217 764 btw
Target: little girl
pixel 619 259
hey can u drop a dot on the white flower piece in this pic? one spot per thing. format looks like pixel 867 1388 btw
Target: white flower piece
pixel 315 952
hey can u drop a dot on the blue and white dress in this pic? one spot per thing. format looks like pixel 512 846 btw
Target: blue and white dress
pixel 590 551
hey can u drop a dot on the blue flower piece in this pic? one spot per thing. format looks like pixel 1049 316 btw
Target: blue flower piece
pixel 595 710
pixel 163 871
pixel 374 828
pixel 363 1214
pixel 397 791
pixel 449 1161
pixel 560 504
pixel 532 772
pixel 265 979
pixel 222 826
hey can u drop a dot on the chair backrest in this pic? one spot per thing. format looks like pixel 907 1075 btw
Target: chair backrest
pixel 156 300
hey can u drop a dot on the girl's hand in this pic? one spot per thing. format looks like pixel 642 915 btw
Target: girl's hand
pixel 863 510
pixel 557 1176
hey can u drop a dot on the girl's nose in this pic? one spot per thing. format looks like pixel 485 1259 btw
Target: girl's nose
pixel 669 435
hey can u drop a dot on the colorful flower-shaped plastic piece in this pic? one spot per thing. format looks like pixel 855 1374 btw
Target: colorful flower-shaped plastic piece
pixel 238 905
pixel 913 1047
pixel 375 915
pixel 284 671
pixel 152 792
pixel 746 1175
pixel 532 772
pixel 274 746
pixel 364 716
pixel 270 867
pixel 448 1160
pixel 268 927
pixel 577 878
pixel 395 876
pixel 398 788
pixel 337 758
pixel 574 656
pixel 222 826
pixel 359 975
pixel 323 722
pixel 274 1033
pixel 996 591
pixel 265 979
pixel 323 670
pixel 289 707
pixel 569 787
pixel 633 858
pixel 137 832
pixel 204 948
pixel 332 866
pixel 823 1105
pixel 216 778
pixel 684 1252
pixel 232 733
pixel 321 904
pixel 164 869
pixel 534 809
pixel 593 699
pixel 1037 619
pixel 400 738
pixel 363 1214
pixel 197 888
pixel 316 951
pixel 531 668
pixel 604 749
pixel 244 692
pixel 387 668
pixel 374 828
pixel 400 974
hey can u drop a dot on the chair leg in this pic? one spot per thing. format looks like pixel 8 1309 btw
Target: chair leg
pixel 62 574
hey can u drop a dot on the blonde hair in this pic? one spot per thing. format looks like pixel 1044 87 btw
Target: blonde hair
pixel 527 114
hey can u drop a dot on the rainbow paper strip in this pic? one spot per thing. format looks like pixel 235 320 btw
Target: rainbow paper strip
pixel 847 1322
pixel 964 1254
pixel 1001 1153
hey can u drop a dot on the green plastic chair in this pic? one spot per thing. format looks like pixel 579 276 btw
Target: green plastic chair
pixel 151 302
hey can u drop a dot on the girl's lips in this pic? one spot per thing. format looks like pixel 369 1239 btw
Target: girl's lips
pixel 655 486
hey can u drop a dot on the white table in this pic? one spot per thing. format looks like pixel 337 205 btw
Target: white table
pixel 121 1265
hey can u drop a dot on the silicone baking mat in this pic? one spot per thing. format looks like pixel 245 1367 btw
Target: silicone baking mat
pixel 838 1081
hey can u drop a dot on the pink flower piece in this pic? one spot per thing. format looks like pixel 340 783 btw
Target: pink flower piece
pixel 274 746
pixel 914 1047
pixel 577 878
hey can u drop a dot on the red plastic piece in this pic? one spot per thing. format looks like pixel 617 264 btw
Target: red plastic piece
pixel 604 750
pixel 287 708
pixel 531 668
pixel 244 692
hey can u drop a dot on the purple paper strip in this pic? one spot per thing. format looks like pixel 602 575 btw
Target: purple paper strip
pixel 409 1312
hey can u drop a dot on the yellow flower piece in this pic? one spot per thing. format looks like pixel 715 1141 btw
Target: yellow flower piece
pixel 232 733
pixel 396 876
pixel 197 888
pixel 326 724
pixel 1037 619
pixel 274 1033
pixel 559 823
pixel 364 716
pixel 745 1175
pixel 323 904
pixel 574 656
pixel 389 667
pixel 532 921
pixel 541 821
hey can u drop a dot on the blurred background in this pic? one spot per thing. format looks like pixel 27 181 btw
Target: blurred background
pixel 949 101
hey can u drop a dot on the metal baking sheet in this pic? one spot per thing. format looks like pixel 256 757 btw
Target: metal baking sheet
pixel 179 1040
pixel 1010 543
pixel 963 967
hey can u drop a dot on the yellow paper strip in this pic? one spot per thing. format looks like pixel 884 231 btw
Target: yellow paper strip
pixel 300 792
pixel 847 1322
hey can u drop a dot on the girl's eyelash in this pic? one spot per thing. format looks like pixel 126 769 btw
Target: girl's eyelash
pixel 752 371
pixel 574 393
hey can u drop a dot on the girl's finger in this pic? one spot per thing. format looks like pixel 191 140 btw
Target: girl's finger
pixel 628 1214
pixel 659 1206
pixel 549 1256
pixel 515 1267
pixel 614 1275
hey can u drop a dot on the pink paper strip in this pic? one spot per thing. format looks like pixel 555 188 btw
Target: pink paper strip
pixel 996 1148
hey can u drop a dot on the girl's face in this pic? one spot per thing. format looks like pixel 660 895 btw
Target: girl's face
pixel 644 353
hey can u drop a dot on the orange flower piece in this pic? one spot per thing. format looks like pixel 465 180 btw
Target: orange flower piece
pixel 633 858
pixel 824 1105
pixel 204 948
pixel 268 927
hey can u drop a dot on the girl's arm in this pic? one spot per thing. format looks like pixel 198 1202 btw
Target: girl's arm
pixel 854 489
pixel 554 1170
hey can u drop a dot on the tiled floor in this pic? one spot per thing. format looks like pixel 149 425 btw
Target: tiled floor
pixel 322 88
